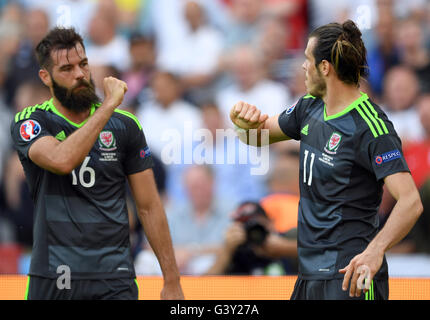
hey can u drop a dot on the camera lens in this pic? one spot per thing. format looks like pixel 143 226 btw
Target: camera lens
pixel 256 233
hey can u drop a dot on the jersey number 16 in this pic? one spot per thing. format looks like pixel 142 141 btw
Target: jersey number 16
pixel 84 168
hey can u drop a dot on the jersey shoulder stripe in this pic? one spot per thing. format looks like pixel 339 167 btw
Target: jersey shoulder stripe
pixel 372 119
pixel 130 115
pixel 26 112
pixel 309 96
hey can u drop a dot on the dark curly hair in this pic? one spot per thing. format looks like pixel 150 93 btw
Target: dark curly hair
pixel 57 39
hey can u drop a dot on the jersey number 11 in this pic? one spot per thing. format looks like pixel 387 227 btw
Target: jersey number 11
pixel 309 180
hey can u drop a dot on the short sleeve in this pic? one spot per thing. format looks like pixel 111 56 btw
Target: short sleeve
pixel 384 156
pixel 138 155
pixel 25 132
pixel 289 120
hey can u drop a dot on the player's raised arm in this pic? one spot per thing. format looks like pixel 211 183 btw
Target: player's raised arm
pixel 247 117
pixel 62 157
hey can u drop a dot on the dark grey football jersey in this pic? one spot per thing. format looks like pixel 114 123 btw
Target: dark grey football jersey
pixel 81 219
pixel 343 161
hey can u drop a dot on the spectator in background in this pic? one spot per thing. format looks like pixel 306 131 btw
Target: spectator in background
pixel 245 23
pixel 418 240
pixel 417 154
pixel 382 50
pixel 5 118
pixel 66 13
pixel 400 93
pixel 196 226
pixel 163 20
pixel 10 36
pixel 166 111
pixel 413 52
pixel 282 203
pixel 296 79
pixel 274 53
pixel 106 47
pixel 250 85
pixel 137 77
pixel 23 64
pixel 293 15
pixel 252 246
pixel 128 11
pixel 99 72
pixel 166 118
pixel 19 205
pixel 198 56
pixel 233 180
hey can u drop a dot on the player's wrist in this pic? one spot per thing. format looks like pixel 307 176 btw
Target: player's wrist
pixel 240 129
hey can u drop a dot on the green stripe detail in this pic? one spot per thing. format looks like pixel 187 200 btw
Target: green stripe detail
pixel 137 285
pixel 347 109
pixel 26 112
pixel 370 294
pixel 309 96
pixel 130 115
pixel 27 288
pixel 371 108
pixel 371 117
pixel 367 121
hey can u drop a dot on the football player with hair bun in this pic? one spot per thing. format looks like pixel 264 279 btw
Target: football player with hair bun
pixel 348 151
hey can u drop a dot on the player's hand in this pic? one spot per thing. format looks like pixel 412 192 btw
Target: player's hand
pixel 114 90
pixel 247 116
pixel 360 271
pixel 172 292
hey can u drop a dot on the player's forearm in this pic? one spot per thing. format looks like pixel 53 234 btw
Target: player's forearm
pixel 156 228
pixel 402 218
pixel 71 152
pixel 253 137
pixel 269 132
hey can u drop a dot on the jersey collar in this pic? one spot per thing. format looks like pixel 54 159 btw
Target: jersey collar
pixel 58 113
pixel 363 97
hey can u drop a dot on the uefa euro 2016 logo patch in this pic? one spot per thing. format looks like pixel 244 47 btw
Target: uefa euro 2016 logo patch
pixel 290 109
pixel 388 156
pixel 29 130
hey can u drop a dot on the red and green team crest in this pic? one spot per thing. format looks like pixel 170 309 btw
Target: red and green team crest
pixel 333 142
pixel 107 140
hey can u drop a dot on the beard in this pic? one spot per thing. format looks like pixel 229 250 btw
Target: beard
pixel 319 86
pixel 76 99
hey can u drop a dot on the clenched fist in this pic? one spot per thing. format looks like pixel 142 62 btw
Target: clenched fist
pixel 247 116
pixel 114 90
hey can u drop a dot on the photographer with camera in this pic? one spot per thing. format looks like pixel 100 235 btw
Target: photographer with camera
pixel 253 247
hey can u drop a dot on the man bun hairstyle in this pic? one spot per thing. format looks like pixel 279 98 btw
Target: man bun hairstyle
pixel 58 38
pixel 343 47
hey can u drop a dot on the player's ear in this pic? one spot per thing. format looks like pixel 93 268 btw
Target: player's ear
pixel 324 67
pixel 45 76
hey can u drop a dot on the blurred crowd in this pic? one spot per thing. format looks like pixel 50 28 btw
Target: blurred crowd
pixel 186 63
